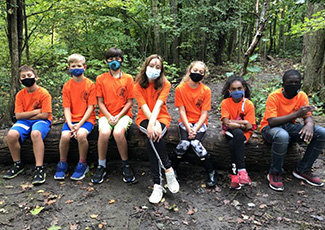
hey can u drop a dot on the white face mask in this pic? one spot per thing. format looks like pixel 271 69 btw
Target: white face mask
pixel 152 73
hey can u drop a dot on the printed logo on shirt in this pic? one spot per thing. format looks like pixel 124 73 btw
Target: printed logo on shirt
pixel 122 92
pixel 84 95
pixel 199 102
pixel 37 105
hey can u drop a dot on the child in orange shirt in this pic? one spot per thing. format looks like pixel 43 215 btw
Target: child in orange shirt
pixel 193 100
pixel 238 122
pixel 114 91
pixel 79 100
pixel 33 110
pixel 279 127
pixel 151 91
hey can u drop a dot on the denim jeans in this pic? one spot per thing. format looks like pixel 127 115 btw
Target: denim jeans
pixel 280 137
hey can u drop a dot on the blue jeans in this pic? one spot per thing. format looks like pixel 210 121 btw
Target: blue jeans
pixel 280 137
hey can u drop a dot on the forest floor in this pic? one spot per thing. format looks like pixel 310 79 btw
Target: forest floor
pixel 116 205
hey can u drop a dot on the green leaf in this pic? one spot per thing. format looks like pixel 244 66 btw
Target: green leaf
pixel 36 210
pixel 254 69
pixel 253 57
pixel 228 74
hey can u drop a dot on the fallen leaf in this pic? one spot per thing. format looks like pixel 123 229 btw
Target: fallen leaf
pixel 26 186
pixel 69 201
pixel 40 191
pixel 111 201
pixel 220 218
pixel 190 212
pixel 79 182
pixel 36 210
pixel 175 209
pixel 90 189
pixel 100 226
pixel 9 186
pixel 245 217
pixel 162 200
pixel 226 201
pixel 1 202
pixel 240 220
pixel 262 206
pixel 301 192
pixel 235 203
pixel 320 218
pixel 257 223
pixel 203 186
pixel 75 227
pixel 2 210
pixel 144 207
pixel 251 205
pixel 143 173
pixel 185 222
pixel 93 216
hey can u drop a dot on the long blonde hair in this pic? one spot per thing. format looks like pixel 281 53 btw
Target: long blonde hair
pixel 186 77
pixel 142 78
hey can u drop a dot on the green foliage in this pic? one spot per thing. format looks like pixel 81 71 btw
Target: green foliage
pixel 172 72
pixel 316 22
pixel 318 102
pixel 260 92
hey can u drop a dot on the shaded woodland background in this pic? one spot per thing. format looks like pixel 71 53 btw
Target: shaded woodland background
pixel 237 34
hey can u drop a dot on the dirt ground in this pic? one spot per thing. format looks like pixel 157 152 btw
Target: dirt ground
pixel 116 205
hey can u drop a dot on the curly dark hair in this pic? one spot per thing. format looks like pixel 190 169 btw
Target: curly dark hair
pixel 225 90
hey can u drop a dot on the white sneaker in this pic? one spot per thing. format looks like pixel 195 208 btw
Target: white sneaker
pixel 157 194
pixel 172 183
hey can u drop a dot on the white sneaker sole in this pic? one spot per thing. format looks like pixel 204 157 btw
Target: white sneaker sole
pixel 309 182
pixel 272 187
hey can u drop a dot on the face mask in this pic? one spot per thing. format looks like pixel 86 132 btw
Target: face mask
pixel 77 72
pixel 152 73
pixel 238 94
pixel 196 77
pixel 291 90
pixel 114 65
pixel 28 82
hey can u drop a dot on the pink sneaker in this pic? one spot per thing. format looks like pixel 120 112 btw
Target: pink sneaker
pixel 234 182
pixel 244 178
pixel 309 177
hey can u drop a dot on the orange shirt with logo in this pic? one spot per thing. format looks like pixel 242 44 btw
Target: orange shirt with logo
pixel 150 96
pixel 78 96
pixel 115 91
pixel 277 105
pixel 39 99
pixel 194 100
pixel 233 110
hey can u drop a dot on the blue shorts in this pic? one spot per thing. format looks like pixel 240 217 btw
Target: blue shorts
pixel 25 127
pixel 87 126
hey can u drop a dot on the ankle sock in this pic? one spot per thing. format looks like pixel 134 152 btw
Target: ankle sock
pixel 102 163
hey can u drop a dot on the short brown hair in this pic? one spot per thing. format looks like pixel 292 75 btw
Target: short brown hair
pixel 25 68
pixel 113 52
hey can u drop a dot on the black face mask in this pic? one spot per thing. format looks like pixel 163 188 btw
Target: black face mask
pixel 196 77
pixel 28 82
pixel 291 90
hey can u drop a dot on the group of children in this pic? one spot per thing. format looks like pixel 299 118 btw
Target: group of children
pixel 114 92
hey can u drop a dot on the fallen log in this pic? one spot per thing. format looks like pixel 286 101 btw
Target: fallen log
pixel 258 153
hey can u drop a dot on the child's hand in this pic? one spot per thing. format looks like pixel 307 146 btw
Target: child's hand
pixel 304 110
pixel 112 120
pixel 192 133
pixel 157 131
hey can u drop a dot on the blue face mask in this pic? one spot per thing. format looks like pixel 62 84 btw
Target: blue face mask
pixel 152 73
pixel 114 65
pixel 238 94
pixel 77 72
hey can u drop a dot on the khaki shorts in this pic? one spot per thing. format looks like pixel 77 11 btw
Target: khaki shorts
pixel 124 122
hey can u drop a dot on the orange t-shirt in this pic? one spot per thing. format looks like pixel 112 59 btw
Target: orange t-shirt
pixel 78 96
pixel 232 110
pixel 278 105
pixel 115 91
pixel 150 96
pixel 40 99
pixel 194 100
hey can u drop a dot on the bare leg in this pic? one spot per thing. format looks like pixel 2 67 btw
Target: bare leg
pixel 38 147
pixel 64 144
pixel 14 145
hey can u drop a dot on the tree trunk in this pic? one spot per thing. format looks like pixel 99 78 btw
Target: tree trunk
pixel 26 33
pixel 314 56
pixel 175 43
pixel 156 29
pixel 256 38
pixel 257 153
pixel 14 54
pixel 220 46
pixel 231 43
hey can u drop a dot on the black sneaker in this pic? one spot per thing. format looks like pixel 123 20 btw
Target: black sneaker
pixel 39 175
pixel 14 171
pixel 128 175
pixel 99 175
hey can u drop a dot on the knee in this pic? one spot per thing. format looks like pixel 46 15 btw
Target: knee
pixel 281 136
pixel 320 133
pixel 65 136
pixel 36 135
pixel 182 147
pixel 238 134
pixel 82 137
pixel 104 134
pixel 118 135
pixel 12 136
pixel 199 149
